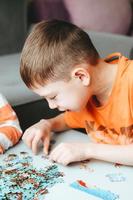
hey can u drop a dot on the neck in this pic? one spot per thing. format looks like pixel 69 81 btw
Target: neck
pixel 103 76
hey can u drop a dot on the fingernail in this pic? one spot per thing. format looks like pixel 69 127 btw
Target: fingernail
pixel 46 152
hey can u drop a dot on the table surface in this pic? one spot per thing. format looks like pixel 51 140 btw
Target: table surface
pixel 90 180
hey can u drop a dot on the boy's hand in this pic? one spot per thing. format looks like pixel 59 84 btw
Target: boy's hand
pixel 66 153
pixel 40 131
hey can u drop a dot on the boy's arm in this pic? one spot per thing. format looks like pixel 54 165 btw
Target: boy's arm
pixel 58 123
pixel 10 131
pixel 66 153
pixel 122 154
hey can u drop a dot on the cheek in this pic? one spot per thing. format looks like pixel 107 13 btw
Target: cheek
pixel 73 98
pixel 72 101
pixel 66 100
pixel 80 98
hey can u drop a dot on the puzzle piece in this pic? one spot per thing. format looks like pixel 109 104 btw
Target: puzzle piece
pixel 19 179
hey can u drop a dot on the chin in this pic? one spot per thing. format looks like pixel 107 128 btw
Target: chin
pixel 75 110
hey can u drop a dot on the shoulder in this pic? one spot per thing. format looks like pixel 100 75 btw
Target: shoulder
pixel 127 82
pixel 130 71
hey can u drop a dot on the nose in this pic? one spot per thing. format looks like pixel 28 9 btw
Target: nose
pixel 52 105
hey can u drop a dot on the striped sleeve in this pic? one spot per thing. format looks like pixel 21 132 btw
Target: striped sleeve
pixel 10 131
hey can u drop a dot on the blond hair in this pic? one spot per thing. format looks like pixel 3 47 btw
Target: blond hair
pixel 51 51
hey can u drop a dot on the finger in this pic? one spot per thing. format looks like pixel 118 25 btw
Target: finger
pixel 26 133
pixel 56 153
pixel 35 142
pixel 62 159
pixel 29 140
pixel 64 162
pixel 46 144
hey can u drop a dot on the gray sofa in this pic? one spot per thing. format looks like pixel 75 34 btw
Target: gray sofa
pixel 29 107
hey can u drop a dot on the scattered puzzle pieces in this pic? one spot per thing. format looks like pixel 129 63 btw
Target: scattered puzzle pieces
pixel 20 180
pixel 116 177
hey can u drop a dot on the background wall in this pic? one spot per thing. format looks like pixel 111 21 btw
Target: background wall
pixel 114 16
pixel 16 17
pixel 13 25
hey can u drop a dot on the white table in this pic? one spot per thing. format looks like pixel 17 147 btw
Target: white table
pixel 103 180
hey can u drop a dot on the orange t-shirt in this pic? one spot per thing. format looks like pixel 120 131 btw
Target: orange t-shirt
pixel 113 122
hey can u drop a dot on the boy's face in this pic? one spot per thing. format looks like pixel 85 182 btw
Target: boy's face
pixel 72 95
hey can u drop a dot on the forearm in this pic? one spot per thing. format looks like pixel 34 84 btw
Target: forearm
pixel 58 123
pixel 122 154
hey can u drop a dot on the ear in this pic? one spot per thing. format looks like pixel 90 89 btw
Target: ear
pixel 82 75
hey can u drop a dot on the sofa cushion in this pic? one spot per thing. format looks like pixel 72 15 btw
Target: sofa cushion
pixel 107 43
pixel 11 84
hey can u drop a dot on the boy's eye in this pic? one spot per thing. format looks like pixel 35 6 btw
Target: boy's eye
pixel 52 98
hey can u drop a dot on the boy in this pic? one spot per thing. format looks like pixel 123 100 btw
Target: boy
pixel 60 63
pixel 10 131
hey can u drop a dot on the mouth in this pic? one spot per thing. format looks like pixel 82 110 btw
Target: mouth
pixel 64 110
pixel 61 109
